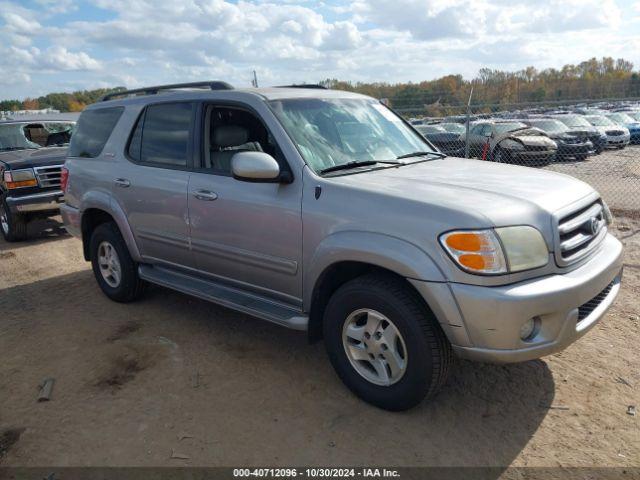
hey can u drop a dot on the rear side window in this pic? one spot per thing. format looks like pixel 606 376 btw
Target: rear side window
pixel 162 135
pixel 93 131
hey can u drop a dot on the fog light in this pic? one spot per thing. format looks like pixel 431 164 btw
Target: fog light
pixel 529 329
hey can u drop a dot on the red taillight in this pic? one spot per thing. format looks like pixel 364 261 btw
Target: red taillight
pixel 64 179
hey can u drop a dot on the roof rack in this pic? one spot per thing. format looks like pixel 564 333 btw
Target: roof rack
pixel 213 85
pixel 304 85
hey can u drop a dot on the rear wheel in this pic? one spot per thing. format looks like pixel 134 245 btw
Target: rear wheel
pixel 113 267
pixel 13 225
pixel 384 343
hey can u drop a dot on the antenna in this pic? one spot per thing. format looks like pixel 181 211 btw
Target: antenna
pixel 254 81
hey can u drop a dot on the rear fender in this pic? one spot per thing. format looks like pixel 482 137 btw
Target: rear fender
pixel 102 200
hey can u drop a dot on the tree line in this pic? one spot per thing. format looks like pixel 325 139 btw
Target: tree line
pixel 65 102
pixel 493 90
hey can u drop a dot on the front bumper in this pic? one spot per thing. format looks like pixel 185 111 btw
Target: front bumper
pixel 37 202
pixel 486 324
pixel 566 150
pixel 617 140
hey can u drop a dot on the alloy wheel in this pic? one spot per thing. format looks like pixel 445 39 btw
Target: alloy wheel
pixel 375 347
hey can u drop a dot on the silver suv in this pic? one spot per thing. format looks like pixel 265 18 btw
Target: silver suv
pixel 326 212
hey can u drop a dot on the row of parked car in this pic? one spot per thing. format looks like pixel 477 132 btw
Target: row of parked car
pixel 535 138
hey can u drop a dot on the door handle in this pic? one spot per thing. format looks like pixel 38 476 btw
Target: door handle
pixel 122 182
pixel 205 195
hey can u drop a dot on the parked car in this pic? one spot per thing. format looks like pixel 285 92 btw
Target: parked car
pixel 624 120
pixel 569 144
pixel 510 141
pixel 635 115
pixel 617 136
pixel 579 125
pixel 457 128
pixel 447 142
pixel 323 211
pixel 32 153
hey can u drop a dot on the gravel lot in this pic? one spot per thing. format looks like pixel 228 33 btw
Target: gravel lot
pixel 173 376
pixel 614 173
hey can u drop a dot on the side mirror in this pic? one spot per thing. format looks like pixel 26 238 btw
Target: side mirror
pixel 255 167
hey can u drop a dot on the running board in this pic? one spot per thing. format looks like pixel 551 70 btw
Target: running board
pixel 226 296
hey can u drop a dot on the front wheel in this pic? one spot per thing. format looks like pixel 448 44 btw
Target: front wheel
pixel 13 225
pixel 384 343
pixel 113 267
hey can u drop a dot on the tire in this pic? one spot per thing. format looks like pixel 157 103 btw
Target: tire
pixel 13 225
pixel 581 158
pixel 125 285
pixel 500 156
pixel 427 352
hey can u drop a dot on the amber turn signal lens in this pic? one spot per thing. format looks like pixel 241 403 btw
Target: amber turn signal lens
pixel 23 183
pixel 472 261
pixel 465 241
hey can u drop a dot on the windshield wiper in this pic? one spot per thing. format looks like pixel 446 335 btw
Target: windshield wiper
pixel 421 154
pixel 356 164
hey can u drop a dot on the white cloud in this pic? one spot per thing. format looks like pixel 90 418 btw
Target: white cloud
pixel 141 42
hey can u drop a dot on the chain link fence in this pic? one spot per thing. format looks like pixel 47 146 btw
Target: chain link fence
pixel 598 143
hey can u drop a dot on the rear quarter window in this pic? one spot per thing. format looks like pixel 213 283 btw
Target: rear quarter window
pixel 93 131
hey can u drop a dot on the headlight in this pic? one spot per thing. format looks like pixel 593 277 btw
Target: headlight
pixel 496 251
pixel 511 144
pixel 20 178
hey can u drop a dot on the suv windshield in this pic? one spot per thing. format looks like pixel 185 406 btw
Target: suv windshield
pixel 600 121
pixel 331 132
pixel 20 136
pixel 574 121
pixel 620 117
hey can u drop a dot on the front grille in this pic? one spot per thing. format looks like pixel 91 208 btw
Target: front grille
pixel 580 232
pixel 614 133
pixel 587 309
pixel 537 148
pixel 49 176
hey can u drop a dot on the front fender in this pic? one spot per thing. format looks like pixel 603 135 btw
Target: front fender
pixel 101 200
pixel 391 253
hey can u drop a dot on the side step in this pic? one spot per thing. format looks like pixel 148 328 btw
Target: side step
pixel 226 296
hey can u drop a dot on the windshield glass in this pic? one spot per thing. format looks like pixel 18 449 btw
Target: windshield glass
pixel 330 132
pixel 574 121
pixel 508 127
pixel 19 136
pixel 550 126
pixel 453 127
pixel 430 129
pixel 621 117
pixel 600 121
pixel 634 115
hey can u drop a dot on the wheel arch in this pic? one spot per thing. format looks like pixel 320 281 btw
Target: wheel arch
pixel 348 255
pixel 97 208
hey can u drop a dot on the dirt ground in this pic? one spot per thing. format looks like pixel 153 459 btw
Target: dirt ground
pixel 172 376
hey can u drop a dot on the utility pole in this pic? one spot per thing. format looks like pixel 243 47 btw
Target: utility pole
pixel 254 81
pixel 466 140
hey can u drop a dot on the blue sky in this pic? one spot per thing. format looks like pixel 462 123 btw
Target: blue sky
pixel 66 45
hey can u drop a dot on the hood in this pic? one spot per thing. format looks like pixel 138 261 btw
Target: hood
pixel 34 158
pixel 496 192
pixel 528 136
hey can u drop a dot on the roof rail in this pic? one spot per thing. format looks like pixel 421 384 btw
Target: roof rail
pixel 212 85
pixel 304 85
